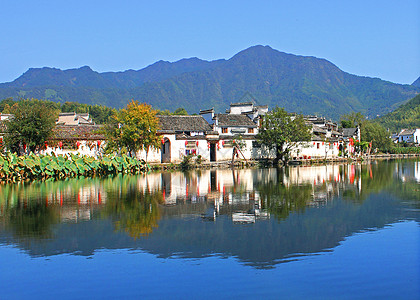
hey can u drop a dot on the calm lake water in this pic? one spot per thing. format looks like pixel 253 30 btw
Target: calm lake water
pixel 323 232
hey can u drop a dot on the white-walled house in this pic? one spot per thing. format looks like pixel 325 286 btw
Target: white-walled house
pixel 180 136
pixel 76 139
pixel 409 136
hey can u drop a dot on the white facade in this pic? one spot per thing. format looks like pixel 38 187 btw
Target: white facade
pixel 409 136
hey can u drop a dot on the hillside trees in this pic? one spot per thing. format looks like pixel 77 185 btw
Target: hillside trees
pixel 282 131
pixel 134 127
pixel 405 116
pixel 31 125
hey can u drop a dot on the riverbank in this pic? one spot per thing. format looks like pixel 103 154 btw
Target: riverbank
pixel 268 162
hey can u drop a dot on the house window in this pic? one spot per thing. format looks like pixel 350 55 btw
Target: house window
pixel 255 144
pixel 250 130
pixel 224 130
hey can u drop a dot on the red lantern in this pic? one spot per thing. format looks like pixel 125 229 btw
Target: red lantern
pixel 46 144
pixel 99 144
pixel 223 143
pixel 60 145
pixel 322 143
pixel 163 141
pixel 186 143
pixel 78 144
pixel 208 145
pixel 196 143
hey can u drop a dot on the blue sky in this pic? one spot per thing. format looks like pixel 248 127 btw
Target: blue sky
pixel 369 38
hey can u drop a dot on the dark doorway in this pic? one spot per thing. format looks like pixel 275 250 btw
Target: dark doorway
pixel 166 151
pixel 213 152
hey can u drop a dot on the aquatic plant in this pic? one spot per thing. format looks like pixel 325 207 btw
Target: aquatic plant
pixel 15 168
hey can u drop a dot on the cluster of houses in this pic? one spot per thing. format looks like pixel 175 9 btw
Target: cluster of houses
pixel 211 135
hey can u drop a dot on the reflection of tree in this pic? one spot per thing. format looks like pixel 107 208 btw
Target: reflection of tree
pixel 280 199
pixel 374 177
pixel 33 219
pixel 135 211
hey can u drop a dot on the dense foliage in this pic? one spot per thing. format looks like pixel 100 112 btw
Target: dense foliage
pixel 300 84
pixel 406 116
pixel 282 131
pixel 31 125
pixel 30 167
pixel 134 127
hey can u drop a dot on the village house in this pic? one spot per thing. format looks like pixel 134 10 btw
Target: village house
pixel 76 139
pixel 326 140
pixel 210 135
pixel 238 125
pixel 410 136
pixel 180 136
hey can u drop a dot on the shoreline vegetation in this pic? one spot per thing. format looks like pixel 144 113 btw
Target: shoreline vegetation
pixel 50 167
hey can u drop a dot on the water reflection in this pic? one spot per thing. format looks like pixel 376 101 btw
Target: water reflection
pixel 260 216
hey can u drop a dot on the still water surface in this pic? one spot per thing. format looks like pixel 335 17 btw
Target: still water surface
pixel 327 232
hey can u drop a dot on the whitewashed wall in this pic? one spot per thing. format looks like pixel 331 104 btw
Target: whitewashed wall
pixel 84 149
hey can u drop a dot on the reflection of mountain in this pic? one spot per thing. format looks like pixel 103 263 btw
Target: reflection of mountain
pixel 262 217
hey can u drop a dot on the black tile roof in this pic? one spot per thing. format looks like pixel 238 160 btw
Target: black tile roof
pixel 349 132
pixel 77 132
pixel 183 124
pixel 231 120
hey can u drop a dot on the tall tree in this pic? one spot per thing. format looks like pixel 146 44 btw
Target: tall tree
pixel 352 120
pixel 283 131
pixel 134 127
pixel 378 135
pixel 31 125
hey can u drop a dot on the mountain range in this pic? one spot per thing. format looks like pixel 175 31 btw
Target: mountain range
pixel 301 84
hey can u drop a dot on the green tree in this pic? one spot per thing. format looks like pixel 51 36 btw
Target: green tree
pixel 283 131
pixel 180 112
pixel 134 127
pixel 375 133
pixel 6 102
pixel 352 120
pixel 32 124
pixel 99 113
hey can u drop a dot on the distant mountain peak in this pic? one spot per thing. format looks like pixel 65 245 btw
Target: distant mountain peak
pixel 416 82
pixel 298 83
